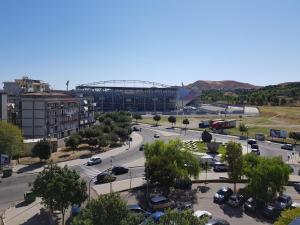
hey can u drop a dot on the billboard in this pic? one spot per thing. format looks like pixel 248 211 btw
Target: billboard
pixel 278 133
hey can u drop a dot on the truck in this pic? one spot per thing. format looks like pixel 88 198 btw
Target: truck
pixel 222 124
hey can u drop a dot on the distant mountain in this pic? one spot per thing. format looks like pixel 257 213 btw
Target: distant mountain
pixel 203 85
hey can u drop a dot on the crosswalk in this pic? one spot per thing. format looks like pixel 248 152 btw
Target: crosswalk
pixel 89 171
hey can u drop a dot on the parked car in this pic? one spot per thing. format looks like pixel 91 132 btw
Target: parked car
pixel 222 195
pixel 235 200
pixel 295 205
pixel 160 202
pixel 287 147
pixel 270 211
pixel 117 170
pixel 200 214
pixel 135 129
pixel 296 221
pixel 138 209
pixel 156 135
pixel 183 184
pixel 283 202
pixel 142 147
pixel 94 160
pixel 105 177
pixel 254 147
pixel 155 217
pixel 184 206
pixel 75 209
pixel 220 167
pixel 252 205
pixel 252 141
pixel 217 222
pixel 297 186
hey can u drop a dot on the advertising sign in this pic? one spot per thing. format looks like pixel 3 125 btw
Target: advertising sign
pixel 278 133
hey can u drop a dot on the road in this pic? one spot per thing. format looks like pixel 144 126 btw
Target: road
pixel 12 189
pixel 165 133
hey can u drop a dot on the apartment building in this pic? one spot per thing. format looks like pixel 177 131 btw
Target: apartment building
pixel 49 115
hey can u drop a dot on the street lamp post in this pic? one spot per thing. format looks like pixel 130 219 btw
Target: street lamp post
pixel 90 187
pixel 247 140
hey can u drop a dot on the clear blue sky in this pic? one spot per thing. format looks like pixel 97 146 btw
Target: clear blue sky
pixel 168 41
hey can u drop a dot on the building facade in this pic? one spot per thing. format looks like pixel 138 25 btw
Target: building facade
pixel 49 115
pixel 3 106
pixel 135 99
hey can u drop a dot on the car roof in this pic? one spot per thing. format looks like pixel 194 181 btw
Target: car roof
pixel 157 215
pixel 95 157
pixel 200 213
pixel 104 173
pixel 136 206
pixel 295 221
pixel 284 196
pixel 158 198
pixel 224 188
pixel 213 221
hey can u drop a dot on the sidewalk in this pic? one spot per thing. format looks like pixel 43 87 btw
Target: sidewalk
pixel 136 141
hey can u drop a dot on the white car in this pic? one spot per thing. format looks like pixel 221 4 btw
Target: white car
pixel 94 160
pixel 201 214
pixel 156 135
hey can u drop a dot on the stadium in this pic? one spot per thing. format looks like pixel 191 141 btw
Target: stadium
pixel 131 95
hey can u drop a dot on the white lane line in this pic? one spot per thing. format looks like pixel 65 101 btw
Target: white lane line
pixel 89 171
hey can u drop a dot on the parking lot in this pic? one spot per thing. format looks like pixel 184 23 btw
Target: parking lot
pixel 204 201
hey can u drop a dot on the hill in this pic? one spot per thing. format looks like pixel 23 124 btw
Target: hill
pixel 228 85
pixel 281 94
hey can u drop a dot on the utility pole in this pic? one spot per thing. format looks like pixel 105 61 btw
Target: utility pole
pixel 111 166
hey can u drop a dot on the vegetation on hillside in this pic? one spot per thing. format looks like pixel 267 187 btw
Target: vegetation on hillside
pixel 282 94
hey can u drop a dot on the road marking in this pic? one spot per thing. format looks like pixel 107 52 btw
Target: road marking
pixel 89 171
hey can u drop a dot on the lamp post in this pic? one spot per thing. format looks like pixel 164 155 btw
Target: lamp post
pixel 90 187
pixel 247 140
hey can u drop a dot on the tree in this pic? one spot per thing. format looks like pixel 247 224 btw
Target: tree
pixel 59 188
pixel 107 209
pixel 295 136
pixel 167 162
pixel 234 157
pixel 287 216
pixel 185 217
pixel 186 122
pixel 93 141
pixel 42 150
pixel 11 139
pixel 243 128
pixel 156 118
pixel 206 136
pixel 73 141
pixel 172 120
pixel 137 117
pixel 268 175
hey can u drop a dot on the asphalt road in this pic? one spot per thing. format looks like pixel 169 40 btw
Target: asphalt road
pixel 165 133
pixel 12 189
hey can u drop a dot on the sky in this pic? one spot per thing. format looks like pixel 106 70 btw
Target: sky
pixel 165 41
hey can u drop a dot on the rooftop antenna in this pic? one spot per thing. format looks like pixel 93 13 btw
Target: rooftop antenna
pixel 67 84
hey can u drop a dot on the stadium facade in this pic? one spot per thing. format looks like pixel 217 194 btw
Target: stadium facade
pixel 130 95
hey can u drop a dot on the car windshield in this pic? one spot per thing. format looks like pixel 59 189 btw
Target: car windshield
pixel 281 199
pixel 234 198
pixel 94 159
pixel 222 191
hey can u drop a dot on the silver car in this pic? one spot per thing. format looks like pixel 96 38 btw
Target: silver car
pixel 94 160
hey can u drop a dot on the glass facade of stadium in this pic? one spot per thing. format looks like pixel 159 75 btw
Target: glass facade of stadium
pixel 135 99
